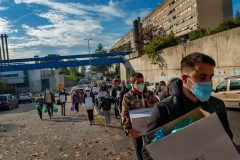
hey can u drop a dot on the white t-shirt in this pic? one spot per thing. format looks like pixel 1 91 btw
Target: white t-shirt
pixel 62 98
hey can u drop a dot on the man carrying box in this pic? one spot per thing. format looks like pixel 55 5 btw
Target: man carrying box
pixel 192 91
pixel 132 100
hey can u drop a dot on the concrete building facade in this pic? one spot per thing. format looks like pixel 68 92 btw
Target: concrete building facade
pixel 222 47
pixel 32 80
pixel 184 16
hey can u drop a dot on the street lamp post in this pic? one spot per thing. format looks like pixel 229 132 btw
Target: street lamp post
pixel 89 55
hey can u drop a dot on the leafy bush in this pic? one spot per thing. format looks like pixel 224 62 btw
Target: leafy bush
pixel 154 49
pixel 226 25
pixel 200 32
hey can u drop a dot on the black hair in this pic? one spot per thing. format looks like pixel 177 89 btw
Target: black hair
pixel 136 76
pixel 115 80
pixel 192 59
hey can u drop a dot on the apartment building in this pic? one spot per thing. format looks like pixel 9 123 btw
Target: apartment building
pixel 184 16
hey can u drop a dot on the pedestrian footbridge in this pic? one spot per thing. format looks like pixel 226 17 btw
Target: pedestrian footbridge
pixel 58 61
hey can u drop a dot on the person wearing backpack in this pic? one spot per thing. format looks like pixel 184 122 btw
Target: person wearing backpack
pixel 40 102
pixel 49 100
pixel 115 97
pixel 106 107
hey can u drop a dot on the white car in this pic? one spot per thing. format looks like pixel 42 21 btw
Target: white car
pixel 229 91
pixel 26 97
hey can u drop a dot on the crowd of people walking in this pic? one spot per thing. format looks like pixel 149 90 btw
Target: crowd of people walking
pixel 169 100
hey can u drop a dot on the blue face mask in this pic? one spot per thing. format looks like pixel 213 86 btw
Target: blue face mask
pixel 106 97
pixel 202 90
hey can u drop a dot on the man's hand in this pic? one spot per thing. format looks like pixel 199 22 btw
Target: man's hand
pixel 133 133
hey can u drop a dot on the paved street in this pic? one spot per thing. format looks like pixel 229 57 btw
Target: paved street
pixel 23 136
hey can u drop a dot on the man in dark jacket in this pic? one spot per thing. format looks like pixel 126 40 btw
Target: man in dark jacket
pixel 115 96
pixel 192 91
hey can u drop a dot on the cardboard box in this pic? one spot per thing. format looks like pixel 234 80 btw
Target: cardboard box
pixel 205 139
pixel 139 119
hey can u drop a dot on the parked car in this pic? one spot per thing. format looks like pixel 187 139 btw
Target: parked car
pixel 8 101
pixel 84 81
pixel 229 92
pixel 26 97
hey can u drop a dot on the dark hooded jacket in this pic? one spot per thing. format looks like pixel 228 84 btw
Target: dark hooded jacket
pixel 177 104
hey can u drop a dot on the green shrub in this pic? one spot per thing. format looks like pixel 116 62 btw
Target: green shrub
pixel 154 49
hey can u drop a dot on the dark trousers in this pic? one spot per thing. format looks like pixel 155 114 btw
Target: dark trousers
pixel 90 114
pixel 116 111
pixel 40 113
pixel 138 144
pixel 63 108
pixel 77 107
pixel 50 109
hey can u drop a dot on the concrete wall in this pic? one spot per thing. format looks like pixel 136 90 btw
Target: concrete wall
pixel 34 79
pixel 223 47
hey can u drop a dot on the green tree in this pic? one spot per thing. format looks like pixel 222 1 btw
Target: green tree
pixel 226 25
pixel 154 49
pixel 100 68
pixel 64 71
pixel 150 31
pixel 100 49
pixel 73 70
pixel 200 32
pixel 237 18
pixel 50 56
pixel 2 87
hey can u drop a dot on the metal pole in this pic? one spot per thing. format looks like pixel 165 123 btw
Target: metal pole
pixel 6 43
pixel 3 48
pixel 89 56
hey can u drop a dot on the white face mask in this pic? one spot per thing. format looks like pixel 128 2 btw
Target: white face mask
pixel 162 87
pixel 139 87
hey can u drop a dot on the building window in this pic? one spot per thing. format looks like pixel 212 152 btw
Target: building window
pixel 194 5
pixel 14 75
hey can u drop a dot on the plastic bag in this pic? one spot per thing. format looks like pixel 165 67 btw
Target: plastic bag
pixel 45 109
pixel 182 124
pixel 55 108
pixel 38 106
pixel 158 135
pixel 72 107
